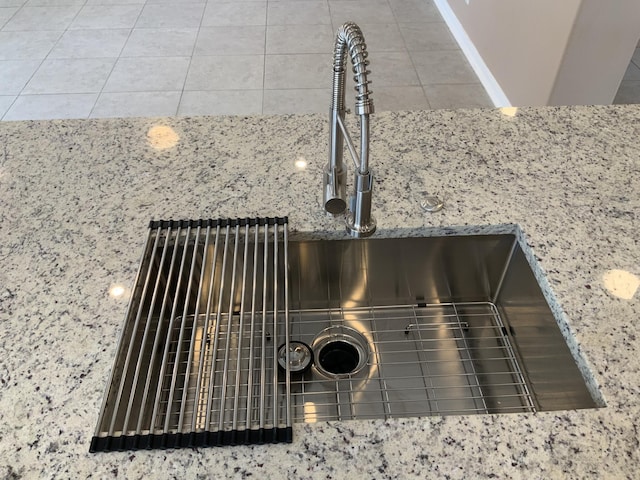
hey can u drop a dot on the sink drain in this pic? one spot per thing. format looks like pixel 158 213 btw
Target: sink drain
pixel 340 352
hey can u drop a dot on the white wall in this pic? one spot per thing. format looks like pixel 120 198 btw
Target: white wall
pixel 544 52
pixel 601 44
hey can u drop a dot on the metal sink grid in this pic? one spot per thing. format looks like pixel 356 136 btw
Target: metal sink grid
pixel 440 359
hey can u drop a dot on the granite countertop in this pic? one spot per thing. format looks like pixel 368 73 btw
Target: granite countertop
pixel 76 198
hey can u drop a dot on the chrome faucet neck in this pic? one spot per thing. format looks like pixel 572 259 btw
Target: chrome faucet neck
pixel 360 223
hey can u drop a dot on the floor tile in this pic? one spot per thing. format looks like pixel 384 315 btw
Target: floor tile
pixel 221 102
pixel 219 56
pixel 173 2
pixel 415 11
pixel 71 75
pixel 27 45
pixel 309 12
pixel 242 13
pixel 160 42
pixel 632 73
pixel 171 15
pixel 443 67
pixel 231 72
pixel 457 96
pixel 115 2
pixel 148 74
pixel 12 3
pixel 299 38
pixel 636 57
pixel 5 103
pixel 399 98
pixel 428 36
pixel 311 70
pixel 91 43
pixel 231 40
pixel 310 100
pixel 361 11
pixel 393 69
pixel 106 16
pixel 629 92
pixel 41 18
pixel 14 75
pixel 136 104
pixel 6 13
pixel 383 37
pixel 44 107
pixel 53 3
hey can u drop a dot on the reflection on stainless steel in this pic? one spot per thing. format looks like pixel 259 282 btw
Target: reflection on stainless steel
pixel 454 324
pixel 360 222
pixel 197 362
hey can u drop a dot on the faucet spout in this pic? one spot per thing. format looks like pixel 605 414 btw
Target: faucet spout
pixel 360 223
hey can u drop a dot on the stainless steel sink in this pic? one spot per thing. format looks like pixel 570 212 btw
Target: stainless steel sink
pixel 453 325
pixel 394 328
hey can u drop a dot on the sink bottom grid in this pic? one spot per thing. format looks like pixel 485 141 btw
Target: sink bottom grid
pixel 439 359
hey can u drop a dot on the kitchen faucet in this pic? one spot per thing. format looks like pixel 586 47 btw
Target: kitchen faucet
pixel 360 222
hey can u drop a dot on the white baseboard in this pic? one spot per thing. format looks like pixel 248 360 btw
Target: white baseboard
pixel 487 79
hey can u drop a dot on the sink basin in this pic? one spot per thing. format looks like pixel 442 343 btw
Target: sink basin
pixel 374 328
pixel 452 325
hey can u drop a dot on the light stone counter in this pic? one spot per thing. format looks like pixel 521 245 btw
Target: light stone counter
pixel 76 198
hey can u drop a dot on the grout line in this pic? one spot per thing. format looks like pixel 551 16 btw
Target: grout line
pixel 10 106
pixel 46 57
pixel 406 50
pixel 193 51
pixel 116 62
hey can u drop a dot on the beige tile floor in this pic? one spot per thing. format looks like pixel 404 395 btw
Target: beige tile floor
pixel 629 91
pixel 104 58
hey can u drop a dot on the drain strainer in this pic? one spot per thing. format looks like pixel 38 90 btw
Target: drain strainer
pixel 340 351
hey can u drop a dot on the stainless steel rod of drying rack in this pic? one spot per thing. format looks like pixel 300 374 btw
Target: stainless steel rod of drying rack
pixel 252 331
pixel 205 339
pixel 245 261
pixel 289 420
pixel 263 350
pixel 194 326
pixel 275 325
pixel 183 324
pixel 174 311
pixel 227 346
pixel 217 331
pixel 147 329
pixel 127 360
pixel 165 356
pixel 120 343
pixel 158 336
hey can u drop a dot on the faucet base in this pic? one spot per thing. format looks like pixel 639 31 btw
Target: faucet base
pixel 360 231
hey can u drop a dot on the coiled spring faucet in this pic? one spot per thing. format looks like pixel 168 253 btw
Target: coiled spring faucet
pixel 360 222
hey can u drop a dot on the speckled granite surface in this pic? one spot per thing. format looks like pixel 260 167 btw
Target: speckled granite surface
pixel 76 197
